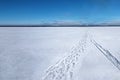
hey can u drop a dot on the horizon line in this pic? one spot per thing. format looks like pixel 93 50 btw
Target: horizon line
pixel 61 25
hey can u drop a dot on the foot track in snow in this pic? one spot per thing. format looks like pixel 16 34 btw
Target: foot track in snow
pixel 63 70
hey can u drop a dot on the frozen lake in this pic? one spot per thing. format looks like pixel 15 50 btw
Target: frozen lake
pixel 26 53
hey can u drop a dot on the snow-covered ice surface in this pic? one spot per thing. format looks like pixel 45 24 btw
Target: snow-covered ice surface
pixel 61 53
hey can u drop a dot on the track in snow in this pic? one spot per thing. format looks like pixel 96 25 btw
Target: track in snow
pixel 107 54
pixel 64 68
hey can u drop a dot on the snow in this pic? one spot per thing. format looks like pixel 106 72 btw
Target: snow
pixel 27 53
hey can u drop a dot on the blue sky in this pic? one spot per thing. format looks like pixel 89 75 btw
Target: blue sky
pixel 40 11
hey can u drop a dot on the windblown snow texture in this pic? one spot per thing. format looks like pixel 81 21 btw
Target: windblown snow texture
pixel 25 53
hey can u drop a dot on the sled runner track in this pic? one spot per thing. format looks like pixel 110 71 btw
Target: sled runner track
pixel 63 69
pixel 107 54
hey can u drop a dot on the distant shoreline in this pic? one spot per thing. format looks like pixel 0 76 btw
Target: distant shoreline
pixel 59 25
